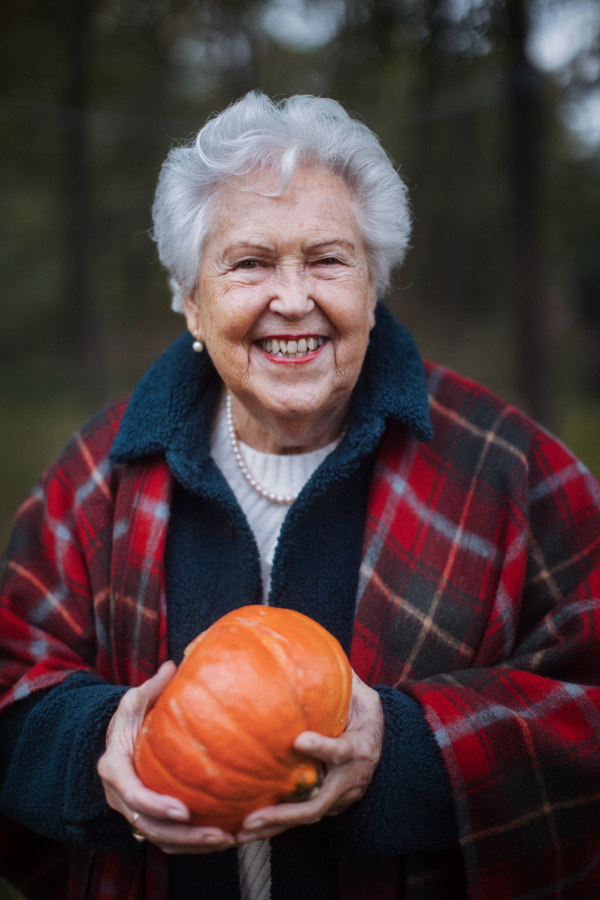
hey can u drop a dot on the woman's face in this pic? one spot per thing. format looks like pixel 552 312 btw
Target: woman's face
pixel 285 269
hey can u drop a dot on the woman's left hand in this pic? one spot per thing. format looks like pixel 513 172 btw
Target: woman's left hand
pixel 350 760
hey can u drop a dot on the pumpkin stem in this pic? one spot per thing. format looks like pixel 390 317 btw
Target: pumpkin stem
pixel 303 790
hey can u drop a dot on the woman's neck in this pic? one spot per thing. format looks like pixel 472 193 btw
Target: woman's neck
pixel 275 434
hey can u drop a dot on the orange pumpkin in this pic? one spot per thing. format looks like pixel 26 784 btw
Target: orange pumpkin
pixel 220 735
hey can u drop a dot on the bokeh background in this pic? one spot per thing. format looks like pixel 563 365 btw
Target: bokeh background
pixel 491 108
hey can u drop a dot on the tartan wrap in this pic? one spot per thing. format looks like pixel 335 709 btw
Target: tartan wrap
pixel 478 595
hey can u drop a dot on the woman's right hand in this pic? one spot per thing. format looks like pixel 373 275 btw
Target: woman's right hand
pixel 162 820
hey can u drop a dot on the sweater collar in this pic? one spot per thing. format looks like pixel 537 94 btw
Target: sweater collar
pixel 171 409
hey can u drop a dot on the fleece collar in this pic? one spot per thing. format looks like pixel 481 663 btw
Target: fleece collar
pixel 171 409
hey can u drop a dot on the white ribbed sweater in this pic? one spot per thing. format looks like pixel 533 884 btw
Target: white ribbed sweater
pixel 279 474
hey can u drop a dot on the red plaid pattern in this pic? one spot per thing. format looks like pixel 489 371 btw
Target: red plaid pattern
pixel 479 595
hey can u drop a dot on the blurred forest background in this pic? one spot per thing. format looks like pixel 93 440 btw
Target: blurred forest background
pixel 491 108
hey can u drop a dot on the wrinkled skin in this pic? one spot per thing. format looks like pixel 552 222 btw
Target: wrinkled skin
pixel 293 265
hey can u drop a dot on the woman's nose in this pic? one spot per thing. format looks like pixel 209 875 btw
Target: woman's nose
pixel 291 295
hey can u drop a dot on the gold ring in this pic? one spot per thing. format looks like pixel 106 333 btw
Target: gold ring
pixel 137 834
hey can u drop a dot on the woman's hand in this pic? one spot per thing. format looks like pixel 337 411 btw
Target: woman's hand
pixel 350 759
pixel 162 820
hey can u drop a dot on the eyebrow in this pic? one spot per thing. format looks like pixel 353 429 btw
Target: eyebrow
pixel 248 245
pixel 338 241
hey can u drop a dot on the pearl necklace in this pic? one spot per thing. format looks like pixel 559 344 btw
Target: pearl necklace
pixel 283 499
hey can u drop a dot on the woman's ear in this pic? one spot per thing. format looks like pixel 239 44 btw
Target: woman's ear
pixel 192 315
pixel 372 303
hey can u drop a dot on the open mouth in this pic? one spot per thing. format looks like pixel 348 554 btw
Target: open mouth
pixel 283 348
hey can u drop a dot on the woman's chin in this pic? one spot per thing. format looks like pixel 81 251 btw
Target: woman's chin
pixel 290 408
pixel 291 402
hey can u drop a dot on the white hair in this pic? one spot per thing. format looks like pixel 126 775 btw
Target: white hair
pixel 255 134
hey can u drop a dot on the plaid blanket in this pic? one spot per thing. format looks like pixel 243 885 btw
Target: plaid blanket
pixel 479 596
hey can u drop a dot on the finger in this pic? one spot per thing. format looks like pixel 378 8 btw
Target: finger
pixel 187 839
pixel 137 798
pixel 271 820
pixel 333 751
pixel 277 820
pixel 153 688
pixel 125 791
pixel 194 850
pixel 264 834
pixel 343 786
pixel 138 701
pixel 127 720
pixel 272 825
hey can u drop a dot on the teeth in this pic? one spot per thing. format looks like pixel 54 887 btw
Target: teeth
pixel 292 349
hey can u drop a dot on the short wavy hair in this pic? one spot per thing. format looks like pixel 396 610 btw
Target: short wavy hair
pixel 256 134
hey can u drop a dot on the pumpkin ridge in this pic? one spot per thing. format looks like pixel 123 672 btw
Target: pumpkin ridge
pixel 227 722
pixel 280 645
pixel 208 770
pixel 279 640
pixel 282 642
pixel 210 789
pixel 253 723
pixel 210 799
pixel 165 772
pixel 187 719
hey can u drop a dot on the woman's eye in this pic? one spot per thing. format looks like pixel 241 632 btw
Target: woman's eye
pixel 248 264
pixel 328 261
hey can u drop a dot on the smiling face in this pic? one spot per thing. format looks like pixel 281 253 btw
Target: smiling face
pixel 285 302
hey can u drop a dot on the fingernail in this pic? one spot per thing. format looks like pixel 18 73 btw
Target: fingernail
pixel 308 743
pixel 256 823
pixel 211 839
pixel 178 814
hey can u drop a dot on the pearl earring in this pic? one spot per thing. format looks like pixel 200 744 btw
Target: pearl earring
pixel 198 345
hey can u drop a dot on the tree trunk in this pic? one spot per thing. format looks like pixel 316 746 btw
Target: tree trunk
pixel 526 109
pixel 82 320
pixel 440 172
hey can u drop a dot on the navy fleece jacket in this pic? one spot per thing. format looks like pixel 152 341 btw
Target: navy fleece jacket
pixel 50 743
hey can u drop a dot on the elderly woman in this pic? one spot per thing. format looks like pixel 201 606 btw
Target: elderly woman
pixel 285 451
